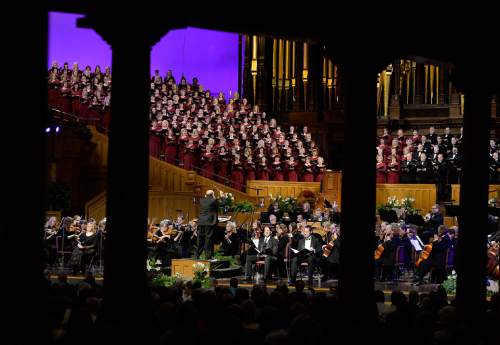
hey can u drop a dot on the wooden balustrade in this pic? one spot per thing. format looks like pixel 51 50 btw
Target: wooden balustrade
pixel 424 194
pixel 494 192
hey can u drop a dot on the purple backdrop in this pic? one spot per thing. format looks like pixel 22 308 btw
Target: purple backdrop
pixel 212 56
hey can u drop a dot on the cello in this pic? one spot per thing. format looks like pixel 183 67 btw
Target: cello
pixel 329 246
pixel 493 268
pixel 426 252
pixel 378 252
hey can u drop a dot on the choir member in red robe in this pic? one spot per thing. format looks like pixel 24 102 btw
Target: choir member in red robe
pixel 307 171
pixel 222 164
pixel 208 163
pixel 319 170
pixel 190 155
pixel 75 99
pixel 401 138
pixel 387 137
pixel 65 98
pixel 237 177
pixel 381 170
pixel 183 142
pixel 292 167
pixel 170 145
pixel 154 139
pixel 277 169
pixel 393 171
pixel 263 171
pixel 250 169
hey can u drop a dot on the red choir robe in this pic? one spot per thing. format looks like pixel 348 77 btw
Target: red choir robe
pixel 53 98
pixel 154 142
pixel 208 165
pixel 250 170
pixel 319 172
pixel 292 172
pixel 263 173
pixel 75 102
pixel 190 157
pixel 277 171
pixel 65 100
pixel 381 173
pixel 237 178
pixel 222 167
pixel 183 142
pixel 170 151
pixel 393 173
pixel 307 173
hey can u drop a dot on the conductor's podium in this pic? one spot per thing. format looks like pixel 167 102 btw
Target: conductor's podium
pixel 216 269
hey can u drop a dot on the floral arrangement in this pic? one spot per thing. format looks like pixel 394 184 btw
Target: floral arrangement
pixel 167 280
pixel 450 284
pixel 200 272
pixel 288 204
pixel 153 265
pixel 225 201
pixel 242 206
pixel 407 204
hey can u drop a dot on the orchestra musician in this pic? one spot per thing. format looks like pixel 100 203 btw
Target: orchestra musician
pixel 230 243
pixel 436 261
pixel 269 252
pixel 331 252
pixel 85 248
pixel 256 241
pixel 313 247
pixel 389 240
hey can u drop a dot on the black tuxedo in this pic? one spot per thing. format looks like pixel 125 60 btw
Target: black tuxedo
pixel 270 249
pixel 313 259
pixel 207 220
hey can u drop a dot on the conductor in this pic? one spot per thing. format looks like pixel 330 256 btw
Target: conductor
pixel 207 220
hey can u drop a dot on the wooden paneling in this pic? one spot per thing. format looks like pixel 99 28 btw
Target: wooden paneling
pixel 96 207
pixel 184 267
pixel 494 192
pixel 171 188
pixel 332 186
pixel 424 194
pixel 283 188
pixel 99 155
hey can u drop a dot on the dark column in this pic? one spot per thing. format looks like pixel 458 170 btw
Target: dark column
pixel 358 195
pixel 125 295
pixel 21 254
pixel 471 260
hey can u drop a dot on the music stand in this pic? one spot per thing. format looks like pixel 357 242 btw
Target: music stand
pixel 415 219
pixel 389 216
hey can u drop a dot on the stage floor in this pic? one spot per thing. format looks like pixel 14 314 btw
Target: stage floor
pixel 328 286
